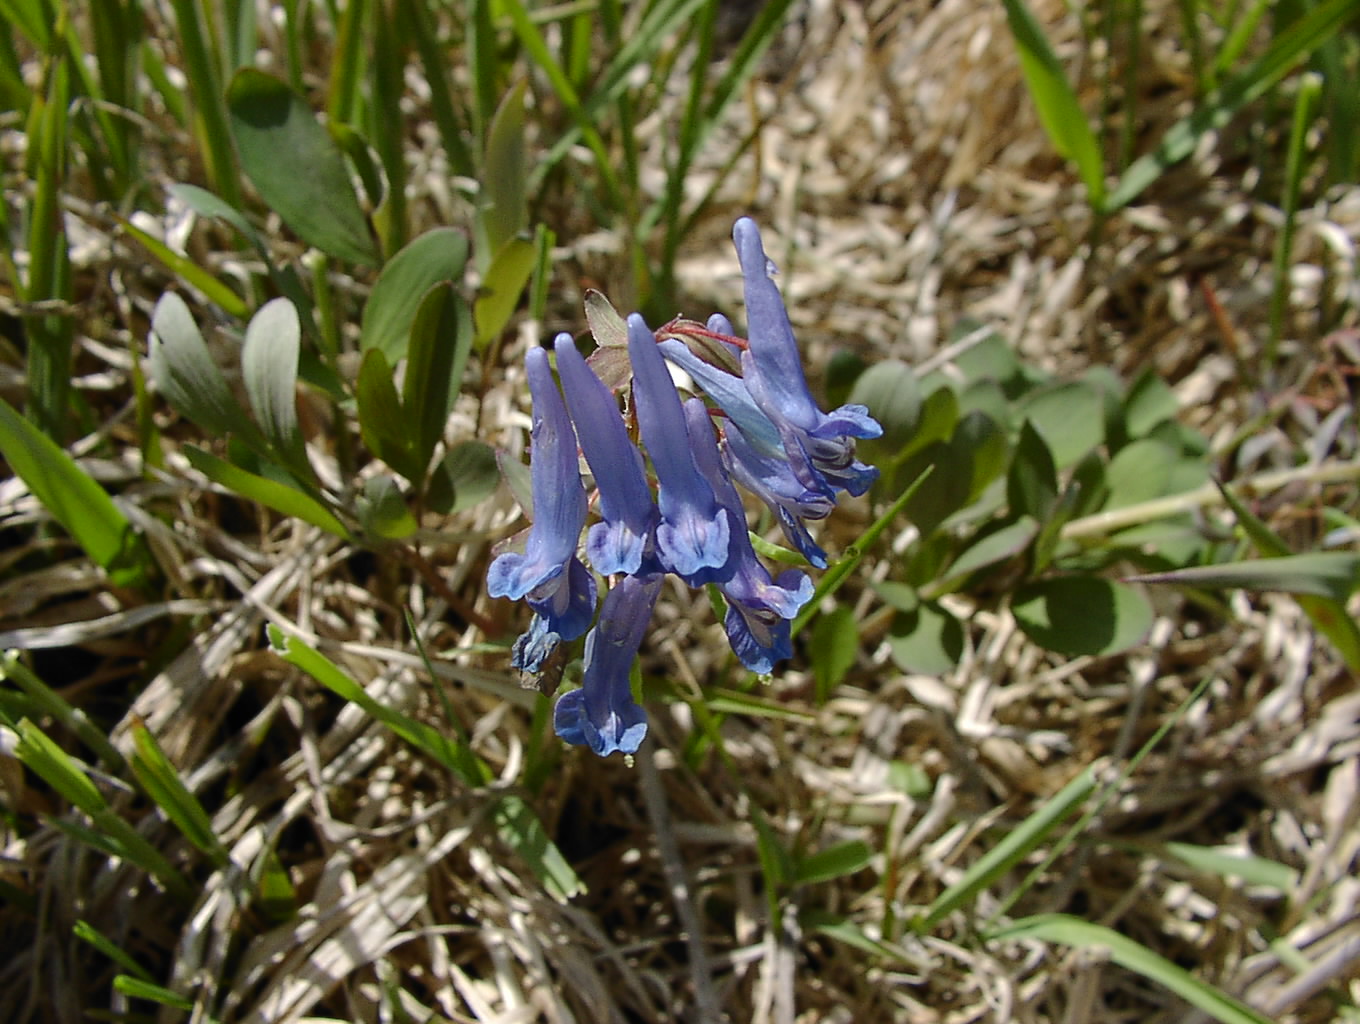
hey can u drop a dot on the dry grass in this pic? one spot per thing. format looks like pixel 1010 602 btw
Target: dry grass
pixel 905 184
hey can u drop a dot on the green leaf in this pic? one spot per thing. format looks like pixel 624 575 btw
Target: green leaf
pixel 1061 115
pixel 516 821
pixel 1150 402
pixel 434 258
pixel 834 862
pixel 1076 615
pixel 269 368
pixel 1328 614
pixel 136 988
pixel 927 640
pixel 502 286
pixel 1139 472
pixel 892 394
pixel 87 932
pixel 997 546
pixel 296 167
pixel 1071 931
pixel 1012 848
pixel 383 511
pixel 1328 574
pixel 466 475
pixel 382 421
pixel 434 369
pixel 503 212
pixel 1032 482
pixel 159 779
pixel 190 272
pixel 281 497
pixel 1228 864
pixel 81 506
pixel 835 643
pixel 1070 417
pixel 185 373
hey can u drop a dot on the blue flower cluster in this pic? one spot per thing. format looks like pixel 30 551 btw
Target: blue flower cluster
pixel 762 430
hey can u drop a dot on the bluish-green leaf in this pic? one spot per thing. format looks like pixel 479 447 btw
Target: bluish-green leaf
pixel 297 167
pixel 382 421
pixel 503 212
pixel 435 257
pixel 383 511
pixel 185 373
pixel 1076 615
pixel 269 368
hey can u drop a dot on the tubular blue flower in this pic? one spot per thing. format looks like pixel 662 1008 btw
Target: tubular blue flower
pixel 548 574
pixel 602 714
pixel 819 446
pixel 692 536
pixel 771 479
pixel 759 608
pixel 618 543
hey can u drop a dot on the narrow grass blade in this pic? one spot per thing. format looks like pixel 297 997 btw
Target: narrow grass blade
pixel 188 271
pixel 87 932
pixel 1253 870
pixel 74 500
pixel 53 704
pixel 110 833
pixel 516 821
pixel 1329 574
pixel 281 497
pixel 202 67
pixel 160 781
pixel 1305 104
pixel 840 570
pixel 136 988
pixel 1010 850
pixel 1071 931
pixel 1059 112
pixel 1288 48
pixel 1328 614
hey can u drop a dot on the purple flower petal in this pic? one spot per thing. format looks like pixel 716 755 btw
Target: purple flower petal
pixel 617 544
pixel 692 536
pixel 602 713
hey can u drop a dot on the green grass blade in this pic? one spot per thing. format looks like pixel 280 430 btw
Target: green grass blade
pixel 160 781
pixel 1070 931
pixel 1305 105
pixel 53 704
pixel 420 28
pixel 1288 48
pixel 840 569
pixel 188 271
pixel 1010 850
pixel 1061 115
pixel 212 125
pixel 111 833
pixel 50 335
pixel 74 500
pixel 516 822
pixel 136 988
pixel 87 932
pixel 290 500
